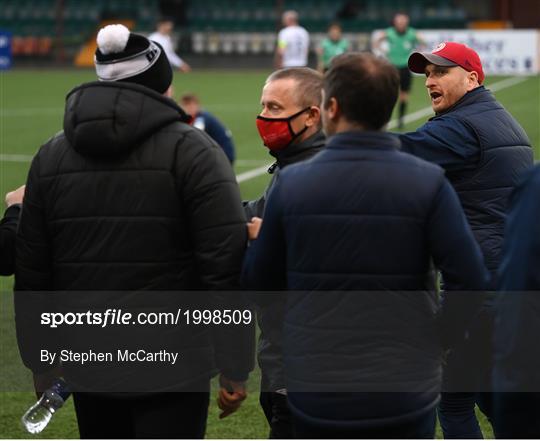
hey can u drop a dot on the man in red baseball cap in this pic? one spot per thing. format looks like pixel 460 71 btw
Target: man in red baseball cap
pixel 452 70
pixel 448 54
pixel 484 151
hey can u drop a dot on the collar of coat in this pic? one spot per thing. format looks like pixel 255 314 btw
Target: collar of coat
pixel 364 139
pixel 298 152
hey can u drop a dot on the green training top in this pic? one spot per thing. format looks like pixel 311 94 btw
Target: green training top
pixel 400 45
pixel 331 49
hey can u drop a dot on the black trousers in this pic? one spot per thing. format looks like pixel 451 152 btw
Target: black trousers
pixel 165 415
pixel 277 413
pixel 468 369
pixel 517 414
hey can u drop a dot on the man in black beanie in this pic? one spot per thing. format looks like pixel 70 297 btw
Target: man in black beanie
pixel 131 207
pixel 127 57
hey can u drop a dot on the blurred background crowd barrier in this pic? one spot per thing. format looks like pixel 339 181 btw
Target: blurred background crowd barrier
pixel 242 33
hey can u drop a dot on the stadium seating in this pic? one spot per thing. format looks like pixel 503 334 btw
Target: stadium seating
pixel 34 23
pixel 356 16
pixel 216 26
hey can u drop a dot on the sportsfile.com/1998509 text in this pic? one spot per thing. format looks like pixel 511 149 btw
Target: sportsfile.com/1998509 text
pixel 117 317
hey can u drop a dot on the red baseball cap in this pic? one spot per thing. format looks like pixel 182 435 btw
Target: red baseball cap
pixel 448 54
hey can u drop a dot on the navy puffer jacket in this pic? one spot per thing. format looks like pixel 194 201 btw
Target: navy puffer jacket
pixel 350 234
pixel 484 151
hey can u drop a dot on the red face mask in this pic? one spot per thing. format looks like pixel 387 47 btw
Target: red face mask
pixel 277 133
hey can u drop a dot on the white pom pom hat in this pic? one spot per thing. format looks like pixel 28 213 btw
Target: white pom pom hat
pixel 112 39
pixel 124 56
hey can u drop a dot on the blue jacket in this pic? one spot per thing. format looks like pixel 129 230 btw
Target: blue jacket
pixel 518 311
pixel 269 350
pixel 361 222
pixel 483 150
pixel 217 131
pixel 517 326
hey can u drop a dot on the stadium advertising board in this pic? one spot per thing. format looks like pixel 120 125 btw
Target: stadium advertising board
pixel 503 52
pixel 512 52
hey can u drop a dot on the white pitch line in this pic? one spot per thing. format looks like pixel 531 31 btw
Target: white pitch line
pixel 428 111
pixel 31 111
pixel 16 158
pixel 246 176
pixel 51 111
pixel 28 158
pixel 509 82
pixel 249 162
pixel 411 117
pixel 242 177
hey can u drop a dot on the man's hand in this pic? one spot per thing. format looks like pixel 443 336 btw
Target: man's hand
pixel 230 395
pixel 15 197
pixel 45 380
pixel 254 227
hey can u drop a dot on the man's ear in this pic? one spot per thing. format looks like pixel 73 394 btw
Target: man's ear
pixel 314 117
pixel 472 80
pixel 332 111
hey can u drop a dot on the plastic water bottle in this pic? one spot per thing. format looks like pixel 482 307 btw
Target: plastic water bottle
pixel 38 416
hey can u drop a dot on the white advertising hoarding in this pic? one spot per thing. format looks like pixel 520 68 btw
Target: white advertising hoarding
pixel 504 52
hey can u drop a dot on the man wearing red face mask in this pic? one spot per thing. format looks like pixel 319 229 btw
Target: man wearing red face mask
pixel 290 127
pixel 289 123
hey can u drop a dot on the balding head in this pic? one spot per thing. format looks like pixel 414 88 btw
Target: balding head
pixel 290 18
pixel 307 84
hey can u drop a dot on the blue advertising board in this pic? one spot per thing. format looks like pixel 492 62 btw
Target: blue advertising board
pixel 5 50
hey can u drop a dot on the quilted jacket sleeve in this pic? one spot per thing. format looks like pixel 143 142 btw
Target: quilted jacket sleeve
pixel 8 231
pixel 457 255
pixel 33 275
pixel 218 233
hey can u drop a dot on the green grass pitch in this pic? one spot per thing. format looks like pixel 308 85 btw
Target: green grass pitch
pixel 31 109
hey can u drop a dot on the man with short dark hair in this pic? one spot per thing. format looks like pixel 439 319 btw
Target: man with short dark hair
pixel 290 127
pixel 484 151
pixel 351 234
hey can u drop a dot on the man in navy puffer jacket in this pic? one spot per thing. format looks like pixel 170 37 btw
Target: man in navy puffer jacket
pixel 351 234
pixel 484 151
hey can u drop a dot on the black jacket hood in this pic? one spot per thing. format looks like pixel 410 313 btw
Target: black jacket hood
pixel 109 119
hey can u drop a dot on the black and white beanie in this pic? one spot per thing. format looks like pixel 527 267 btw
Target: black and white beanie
pixel 124 56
